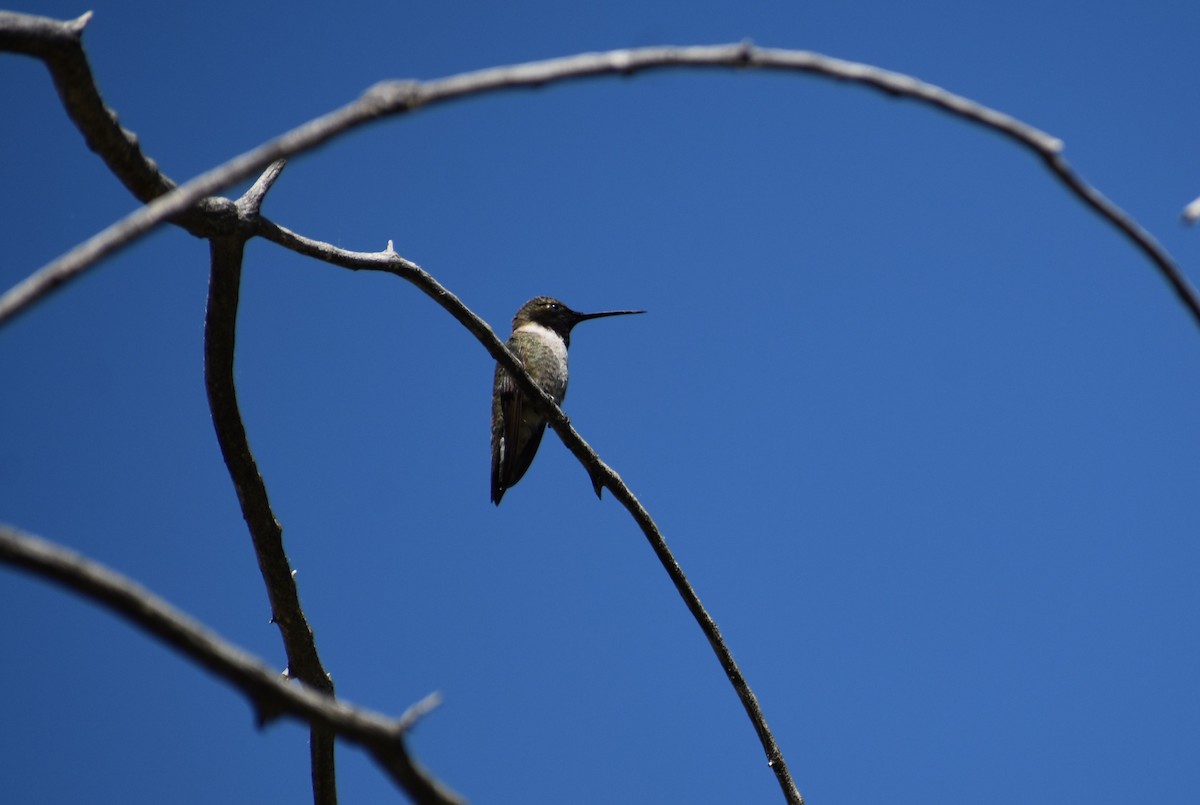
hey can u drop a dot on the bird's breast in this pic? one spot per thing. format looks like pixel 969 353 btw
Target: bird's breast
pixel 544 355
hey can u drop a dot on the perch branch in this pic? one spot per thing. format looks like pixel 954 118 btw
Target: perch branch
pixel 270 695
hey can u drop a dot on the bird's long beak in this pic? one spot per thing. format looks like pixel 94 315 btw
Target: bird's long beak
pixel 602 314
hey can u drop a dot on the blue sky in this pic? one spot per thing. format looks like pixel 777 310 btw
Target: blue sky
pixel 920 428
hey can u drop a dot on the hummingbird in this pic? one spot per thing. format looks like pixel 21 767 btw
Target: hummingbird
pixel 541 333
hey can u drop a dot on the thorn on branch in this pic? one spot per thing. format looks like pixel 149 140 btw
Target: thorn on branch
pixel 597 483
pixel 251 201
pixel 417 711
pixel 265 713
pixel 1191 213
pixel 77 25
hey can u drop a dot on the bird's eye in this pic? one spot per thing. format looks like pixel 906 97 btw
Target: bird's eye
pixel 552 306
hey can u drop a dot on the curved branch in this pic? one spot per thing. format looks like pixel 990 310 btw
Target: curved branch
pixel 1126 225
pixel 401 97
pixel 270 694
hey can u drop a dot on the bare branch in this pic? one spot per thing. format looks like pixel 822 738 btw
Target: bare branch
pixel 220 331
pixel 60 46
pixel 270 694
pixel 400 97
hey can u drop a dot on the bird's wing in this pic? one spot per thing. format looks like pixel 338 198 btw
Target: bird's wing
pixel 504 400
pixel 514 441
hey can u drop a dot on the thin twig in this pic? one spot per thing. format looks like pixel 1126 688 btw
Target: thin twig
pixel 270 694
